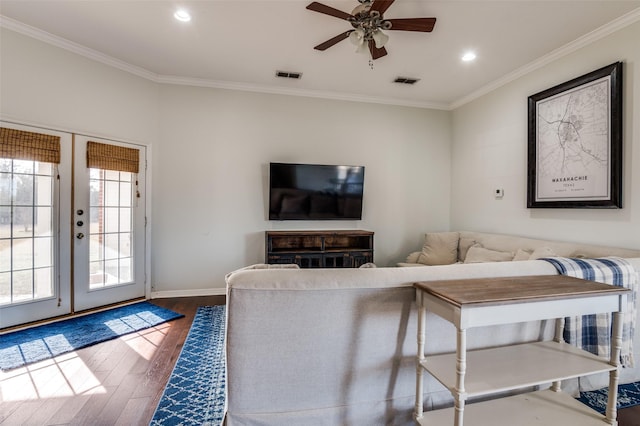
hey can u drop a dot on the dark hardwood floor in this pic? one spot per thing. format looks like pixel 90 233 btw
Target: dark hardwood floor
pixel 118 382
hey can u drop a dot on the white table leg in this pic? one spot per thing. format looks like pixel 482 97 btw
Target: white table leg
pixel 422 311
pixel 556 386
pixel 461 369
pixel 616 346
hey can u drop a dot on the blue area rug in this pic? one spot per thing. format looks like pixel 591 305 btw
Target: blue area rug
pixel 195 393
pixel 47 341
pixel 628 396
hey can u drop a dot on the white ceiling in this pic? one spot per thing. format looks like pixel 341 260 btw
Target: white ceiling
pixel 241 43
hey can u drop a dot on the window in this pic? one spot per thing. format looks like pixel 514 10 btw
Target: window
pixel 27 240
pixel 111 233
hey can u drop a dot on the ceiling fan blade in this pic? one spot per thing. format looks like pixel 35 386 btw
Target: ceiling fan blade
pixel 327 10
pixel 381 5
pixel 375 52
pixel 424 25
pixel 327 44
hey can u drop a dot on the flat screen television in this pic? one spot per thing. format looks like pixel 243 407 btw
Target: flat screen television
pixel 315 192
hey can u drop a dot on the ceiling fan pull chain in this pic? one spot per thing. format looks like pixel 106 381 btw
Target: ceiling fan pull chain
pixel 371 63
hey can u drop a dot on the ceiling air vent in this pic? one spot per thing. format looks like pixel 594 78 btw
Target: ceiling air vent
pixel 406 80
pixel 289 74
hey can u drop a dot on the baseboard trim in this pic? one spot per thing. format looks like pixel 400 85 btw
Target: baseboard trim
pixel 189 293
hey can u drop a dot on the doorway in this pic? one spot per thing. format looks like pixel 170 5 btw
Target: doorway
pixel 72 223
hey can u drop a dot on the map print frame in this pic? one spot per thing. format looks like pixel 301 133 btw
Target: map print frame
pixel 575 143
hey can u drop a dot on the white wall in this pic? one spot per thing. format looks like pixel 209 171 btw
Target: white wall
pixel 211 163
pixel 45 85
pixel 211 148
pixel 490 151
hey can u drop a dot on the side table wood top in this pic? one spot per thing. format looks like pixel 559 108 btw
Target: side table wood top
pixel 509 290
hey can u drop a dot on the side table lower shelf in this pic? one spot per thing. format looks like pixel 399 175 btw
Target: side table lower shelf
pixel 528 364
pixel 541 408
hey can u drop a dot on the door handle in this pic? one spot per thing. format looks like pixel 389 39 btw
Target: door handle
pixel 79 235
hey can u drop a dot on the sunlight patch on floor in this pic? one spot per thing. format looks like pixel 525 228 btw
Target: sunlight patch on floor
pixel 146 342
pixel 70 374
pixel 65 375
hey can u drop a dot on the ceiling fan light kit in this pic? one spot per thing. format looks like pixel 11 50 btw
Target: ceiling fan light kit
pixel 368 22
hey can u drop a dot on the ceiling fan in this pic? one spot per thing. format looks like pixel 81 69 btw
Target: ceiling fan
pixel 368 22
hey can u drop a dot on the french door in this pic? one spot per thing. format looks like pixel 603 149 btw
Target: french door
pixel 72 237
pixel 108 225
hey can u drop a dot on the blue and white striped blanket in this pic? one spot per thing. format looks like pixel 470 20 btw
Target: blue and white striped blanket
pixel 593 332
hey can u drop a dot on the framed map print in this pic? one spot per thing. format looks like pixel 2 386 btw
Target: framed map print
pixel 575 143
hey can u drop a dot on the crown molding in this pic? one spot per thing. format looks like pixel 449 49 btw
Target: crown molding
pixel 63 43
pixel 19 27
pixel 607 29
pixel 589 38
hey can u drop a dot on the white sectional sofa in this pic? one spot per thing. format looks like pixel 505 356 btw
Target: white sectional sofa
pixel 338 346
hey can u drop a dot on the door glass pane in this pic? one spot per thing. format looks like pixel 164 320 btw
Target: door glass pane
pixel 110 228
pixel 22 285
pixel 125 220
pixel 125 194
pixel 22 222
pixel 43 225
pixel 43 190
pixel 22 189
pixel 5 220
pixel 42 253
pixel 5 255
pixel 43 285
pixel 125 244
pixel 125 270
pixel 111 242
pixel 22 253
pixel 95 247
pixel 111 193
pixel 23 166
pixel 5 288
pixel 5 186
pixel 26 230
pixel 110 223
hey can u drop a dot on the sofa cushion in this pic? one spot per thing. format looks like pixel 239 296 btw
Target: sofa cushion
pixel 463 247
pixel 440 248
pixel 478 254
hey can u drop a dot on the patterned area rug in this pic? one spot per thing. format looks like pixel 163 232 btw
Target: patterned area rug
pixel 628 396
pixel 195 393
pixel 49 340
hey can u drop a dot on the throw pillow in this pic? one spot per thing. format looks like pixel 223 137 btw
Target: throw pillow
pixel 440 248
pixel 463 247
pixel 542 252
pixel 522 255
pixel 477 254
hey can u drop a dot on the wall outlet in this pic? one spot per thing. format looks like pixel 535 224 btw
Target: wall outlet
pixel 499 193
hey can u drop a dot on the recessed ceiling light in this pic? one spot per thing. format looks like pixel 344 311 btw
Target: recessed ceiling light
pixel 182 15
pixel 468 56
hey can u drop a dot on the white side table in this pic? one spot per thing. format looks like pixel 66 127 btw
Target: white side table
pixel 485 372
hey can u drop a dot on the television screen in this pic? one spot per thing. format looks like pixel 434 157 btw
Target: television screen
pixel 315 192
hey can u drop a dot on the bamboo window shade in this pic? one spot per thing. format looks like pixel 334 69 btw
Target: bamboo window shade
pixel 112 157
pixel 22 145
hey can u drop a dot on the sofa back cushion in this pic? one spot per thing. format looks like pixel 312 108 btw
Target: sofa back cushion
pixel 512 243
pixel 440 248
pixel 477 254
